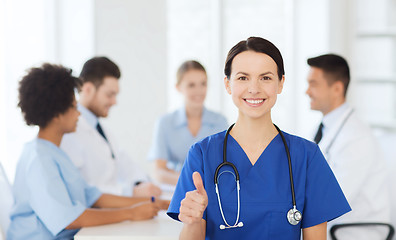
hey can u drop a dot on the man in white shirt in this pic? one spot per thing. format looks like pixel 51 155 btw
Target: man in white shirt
pixel 349 147
pixel 92 147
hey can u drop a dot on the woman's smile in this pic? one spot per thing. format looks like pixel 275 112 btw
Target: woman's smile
pixel 254 102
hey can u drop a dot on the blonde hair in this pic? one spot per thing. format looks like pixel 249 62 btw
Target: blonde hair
pixel 187 66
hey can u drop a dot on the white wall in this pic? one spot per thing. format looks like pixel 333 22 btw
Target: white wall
pixel 74 32
pixel 133 34
pixel 311 38
pixel 27 43
pixel 3 139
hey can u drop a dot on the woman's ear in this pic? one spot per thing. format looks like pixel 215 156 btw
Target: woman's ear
pixel 280 86
pixel 227 85
pixel 177 86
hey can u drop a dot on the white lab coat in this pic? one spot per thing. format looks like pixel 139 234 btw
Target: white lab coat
pixel 360 169
pixel 90 152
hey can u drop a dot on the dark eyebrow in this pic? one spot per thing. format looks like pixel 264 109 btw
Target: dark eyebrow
pixel 242 73
pixel 269 72
pixel 265 73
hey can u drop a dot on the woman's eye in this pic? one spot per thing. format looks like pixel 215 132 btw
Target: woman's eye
pixel 242 78
pixel 266 78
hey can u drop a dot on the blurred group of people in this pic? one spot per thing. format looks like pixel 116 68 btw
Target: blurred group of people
pixel 74 174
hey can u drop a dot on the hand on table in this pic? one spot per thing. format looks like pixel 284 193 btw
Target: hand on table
pixel 143 211
pixel 146 189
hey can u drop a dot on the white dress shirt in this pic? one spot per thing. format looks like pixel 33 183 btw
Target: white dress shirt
pixel 92 155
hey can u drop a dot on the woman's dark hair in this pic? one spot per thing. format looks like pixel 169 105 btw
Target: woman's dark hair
pixel 259 45
pixel 97 68
pixel 187 66
pixel 45 92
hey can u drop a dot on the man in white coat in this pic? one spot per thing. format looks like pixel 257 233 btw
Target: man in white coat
pixel 349 147
pixel 92 148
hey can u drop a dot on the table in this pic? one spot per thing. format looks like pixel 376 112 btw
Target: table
pixel 161 227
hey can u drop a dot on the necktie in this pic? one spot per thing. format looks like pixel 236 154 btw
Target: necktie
pixel 100 130
pixel 319 133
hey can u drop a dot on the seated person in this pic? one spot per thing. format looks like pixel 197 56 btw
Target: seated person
pixel 52 200
pixel 175 132
pixel 92 147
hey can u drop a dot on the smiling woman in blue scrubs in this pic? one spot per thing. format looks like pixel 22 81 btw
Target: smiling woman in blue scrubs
pixel 254 77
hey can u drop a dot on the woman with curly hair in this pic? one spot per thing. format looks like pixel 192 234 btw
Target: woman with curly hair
pixel 52 201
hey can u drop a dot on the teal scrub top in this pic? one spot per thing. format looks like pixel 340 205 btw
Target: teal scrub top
pixel 49 194
pixel 265 191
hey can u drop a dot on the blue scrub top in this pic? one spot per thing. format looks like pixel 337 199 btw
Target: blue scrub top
pixel 172 138
pixel 49 194
pixel 265 191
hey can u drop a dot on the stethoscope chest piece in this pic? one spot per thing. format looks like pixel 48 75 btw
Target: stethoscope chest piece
pixel 294 216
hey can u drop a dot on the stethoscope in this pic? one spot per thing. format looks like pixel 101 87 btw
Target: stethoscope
pixel 293 215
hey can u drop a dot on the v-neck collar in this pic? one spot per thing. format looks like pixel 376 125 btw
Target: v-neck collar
pixel 262 153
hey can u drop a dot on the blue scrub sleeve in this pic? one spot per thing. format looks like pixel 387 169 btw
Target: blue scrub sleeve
pixel 159 148
pixel 324 199
pixel 49 196
pixel 193 163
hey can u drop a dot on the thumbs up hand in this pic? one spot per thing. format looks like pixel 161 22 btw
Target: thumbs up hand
pixel 194 204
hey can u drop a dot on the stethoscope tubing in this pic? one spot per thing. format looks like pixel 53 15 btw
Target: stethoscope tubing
pixel 290 166
pixel 292 213
pixel 338 131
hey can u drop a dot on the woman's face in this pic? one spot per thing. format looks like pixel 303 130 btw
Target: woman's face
pixel 68 120
pixel 193 86
pixel 254 84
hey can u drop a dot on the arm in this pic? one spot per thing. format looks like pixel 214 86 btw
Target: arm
pixel 317 232
pixel 95 217
pixel 111 209
pixel 114 201
pixel 146 189
pixel 195 231
pixel 192 208
pixel 164 174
